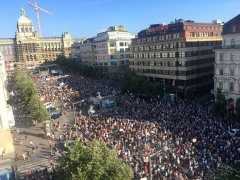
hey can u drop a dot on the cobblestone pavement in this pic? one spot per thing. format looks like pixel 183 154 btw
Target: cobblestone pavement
pixel 29 132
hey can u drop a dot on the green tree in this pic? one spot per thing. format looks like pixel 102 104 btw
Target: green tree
pixel 93 161
pixel 225 172
pixel 41 114
pixel 158 88
pixel 220 103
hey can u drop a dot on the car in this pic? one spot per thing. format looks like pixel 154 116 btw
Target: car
pixel 92 113
pixel 48 105
pixel 54 113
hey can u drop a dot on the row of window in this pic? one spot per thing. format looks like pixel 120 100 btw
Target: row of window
pixel 172 63
pixel 158 38
pixel 231 70
pixel 231 86
pixel 103 57
pixel 174 45
pixel 113 63
pixel 172 54
pixel 204 34
pixel 232 57
pixel 177 73
pixel 26 29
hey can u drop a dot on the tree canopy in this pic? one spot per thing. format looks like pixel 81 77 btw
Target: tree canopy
pixel 219 106
pixel 93 160
pixel 28 94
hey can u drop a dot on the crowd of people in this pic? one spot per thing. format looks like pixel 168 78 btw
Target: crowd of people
pixel 40 174
pixel 182 139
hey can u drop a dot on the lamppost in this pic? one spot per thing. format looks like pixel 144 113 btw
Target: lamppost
pixel 115 105
pixel 100 101
pixel 227 90
pixel 74 115
pixel 165 149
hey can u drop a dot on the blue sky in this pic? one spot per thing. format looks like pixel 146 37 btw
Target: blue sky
pixel 85 18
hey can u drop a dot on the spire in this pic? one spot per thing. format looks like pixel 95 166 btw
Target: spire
pixel 22 11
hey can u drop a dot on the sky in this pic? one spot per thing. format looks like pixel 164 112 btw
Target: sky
pixel 86 18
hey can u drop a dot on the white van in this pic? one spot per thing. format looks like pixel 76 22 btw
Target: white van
pixel 92 113
pixel 48 105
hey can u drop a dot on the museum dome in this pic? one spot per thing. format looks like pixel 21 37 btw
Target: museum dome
pixel 23 18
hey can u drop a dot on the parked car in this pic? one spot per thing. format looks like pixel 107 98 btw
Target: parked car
pixel 92 113
pixel 54 113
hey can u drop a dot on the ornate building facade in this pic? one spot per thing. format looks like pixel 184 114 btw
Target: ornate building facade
pixel 179 54
pixel 227 62
pixel 28 49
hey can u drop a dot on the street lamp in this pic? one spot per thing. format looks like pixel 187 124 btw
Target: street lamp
pixel 100 100
pixel 165 149
pixel 74 115
pixel 227 90
pixel 114 93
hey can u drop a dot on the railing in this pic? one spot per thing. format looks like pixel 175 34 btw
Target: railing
pixel 227 47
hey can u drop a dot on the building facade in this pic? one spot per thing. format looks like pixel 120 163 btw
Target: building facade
pixel 5 133
pixel 28 49
pixel 112 49
pixel 227 61
pixel 86 52
pixel 178 54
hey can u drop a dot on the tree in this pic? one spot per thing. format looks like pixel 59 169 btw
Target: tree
pixel 37 109
pixel 28 94
pixel 225 172
pixel 220 103
pixel 93 161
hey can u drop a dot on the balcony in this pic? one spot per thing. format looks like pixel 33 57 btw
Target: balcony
pixel 227 47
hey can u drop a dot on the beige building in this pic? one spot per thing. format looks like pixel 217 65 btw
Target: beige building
pixel 227 62
pixel 30 49
pixel 5 133
pixel 178 54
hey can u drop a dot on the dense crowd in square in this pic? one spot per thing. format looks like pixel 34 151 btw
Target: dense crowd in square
pixel 189 139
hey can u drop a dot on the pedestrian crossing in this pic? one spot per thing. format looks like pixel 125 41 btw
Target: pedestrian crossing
pixel 23 167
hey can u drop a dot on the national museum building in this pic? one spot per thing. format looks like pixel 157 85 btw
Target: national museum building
pixel 28 49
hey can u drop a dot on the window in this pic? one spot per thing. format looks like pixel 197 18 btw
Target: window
pixel 151 55
pixel 171 54
pixel 220 85
pixel 231 71
pixel 232 56
pixel 121 50
pixel 221 71
pixel 233 42
pixel 157 55
pixel 112 51
pixel 164 55
pixel 121 44
pixel 145 55
pixel 140 48
pixel 221 56
pixel 152 63
pixel 112 44
pixel 234 29
pixel 22 29
pixel 181 54
pixel 231 86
